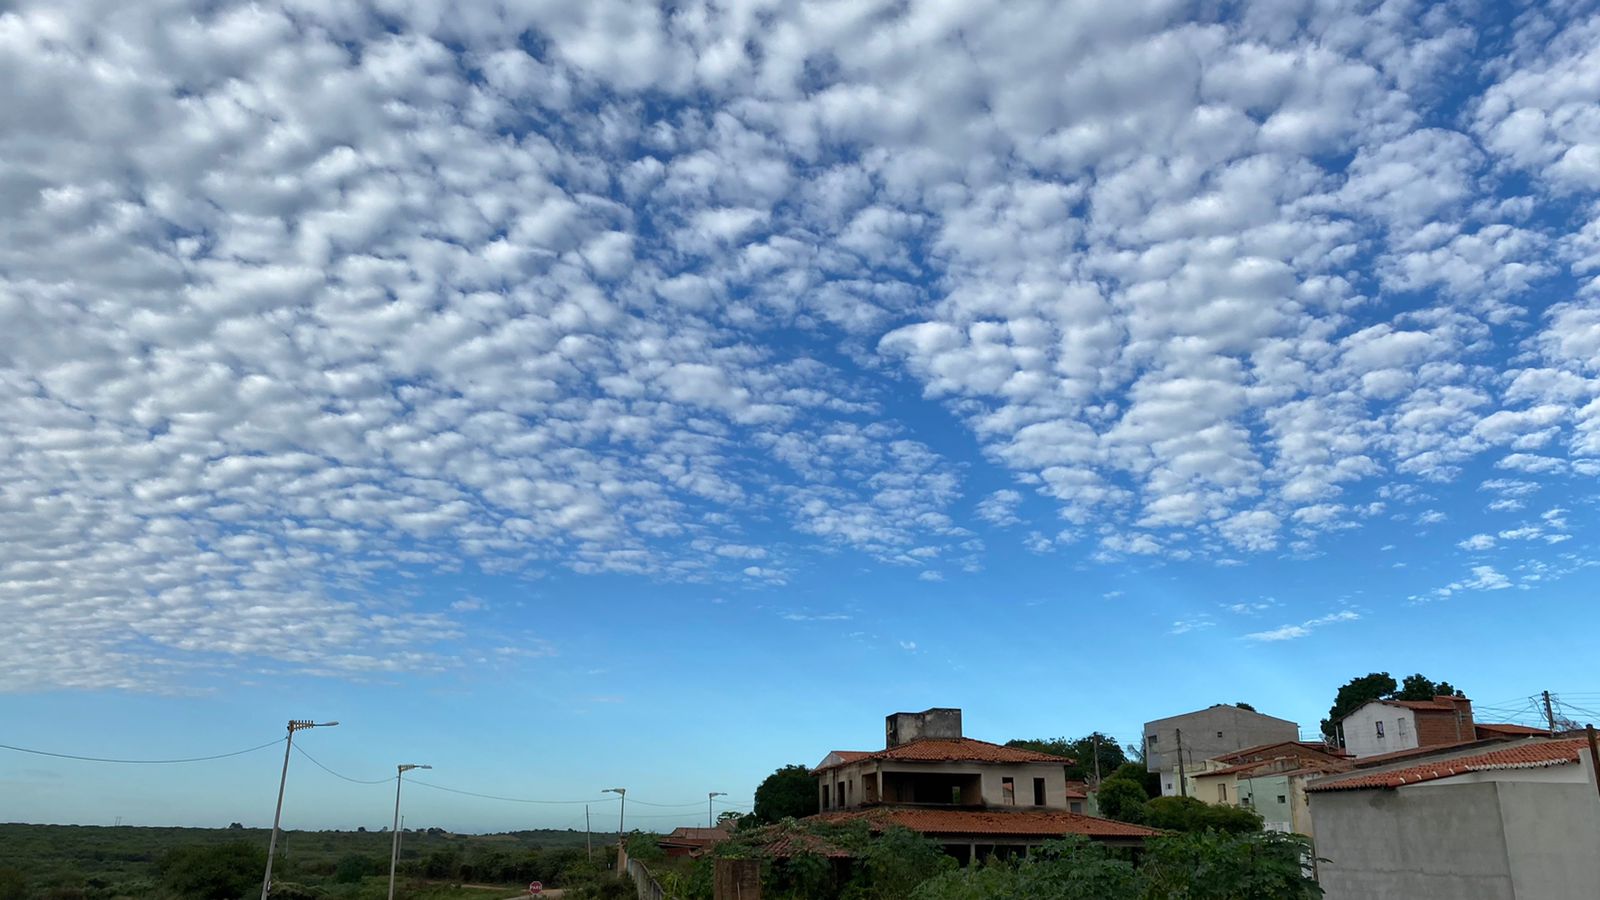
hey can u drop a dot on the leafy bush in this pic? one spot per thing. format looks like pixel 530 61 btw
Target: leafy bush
pixel 221 872
pixel 1188 814
pixel 1122 800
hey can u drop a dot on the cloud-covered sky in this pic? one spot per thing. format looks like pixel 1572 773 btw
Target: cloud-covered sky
pixel 423 346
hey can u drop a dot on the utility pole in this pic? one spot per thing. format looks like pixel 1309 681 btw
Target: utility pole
pixel 1095 741
pixel 394 855
pixel 1183 781
pixel 1594 753
pixel 588 833
pixel 1549 714
pixel 277 816
pixel 622 794
pixel 709 796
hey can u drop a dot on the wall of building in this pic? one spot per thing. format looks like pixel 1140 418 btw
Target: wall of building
pixel 1412 845
pixel 1361 731
pixel 990 778
pixel 1263 792
pixel 903 727
pixel 1238 728
pixel 1461 840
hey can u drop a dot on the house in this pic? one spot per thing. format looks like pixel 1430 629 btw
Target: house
pixel 974 797
pixel 1505 821
pixel 1275 788
pixel 1183 741
pixel 693 841
pixel 1384 726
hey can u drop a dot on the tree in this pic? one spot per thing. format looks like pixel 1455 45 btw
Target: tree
pixel 1122 799
pixel 790 792
pixel 221 872
pixel 1381 686
pixel 1246 707
pixel 1081 751
pixel 1188 814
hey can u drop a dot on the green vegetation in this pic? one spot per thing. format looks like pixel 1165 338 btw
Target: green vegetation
pixel 69 862
pixel 790 792
pixel 1205 866
pixel 1382 686
pixel 1081 751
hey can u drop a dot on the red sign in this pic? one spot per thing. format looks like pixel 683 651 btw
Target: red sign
pixel 535 887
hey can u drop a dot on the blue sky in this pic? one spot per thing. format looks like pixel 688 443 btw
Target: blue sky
pixel 573 397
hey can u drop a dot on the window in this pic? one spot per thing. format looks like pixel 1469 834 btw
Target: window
pixel 1401 725
pixel 824 796
pixel 1380 728
pixel 1152 739
pixel 1038 792
pixel 838 794
pixel 850 792
pixel 1075 806
pixel 1282 799
pixel 1219 734
pixel 1008 791
pixel 1222 793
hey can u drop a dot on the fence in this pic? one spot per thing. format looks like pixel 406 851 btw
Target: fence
pixel 649 888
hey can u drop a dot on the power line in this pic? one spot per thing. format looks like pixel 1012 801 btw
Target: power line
pixel 337 775
pixel 152 762
pixel 440 787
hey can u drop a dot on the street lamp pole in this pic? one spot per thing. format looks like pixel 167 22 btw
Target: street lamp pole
pixel 394 854
pixel 709 798
pixel 621 812
pixel 277 815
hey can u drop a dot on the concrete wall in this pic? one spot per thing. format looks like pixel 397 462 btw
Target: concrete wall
pixel 904 727
pixel 1263 792
pixel 990 777
pixel 1238 728
pixel 1361 731
pixel 1412 845
pixel 1461 840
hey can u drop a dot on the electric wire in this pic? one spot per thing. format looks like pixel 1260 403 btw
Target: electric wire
pixel 148 762
pixel 440 787
pixel 324 768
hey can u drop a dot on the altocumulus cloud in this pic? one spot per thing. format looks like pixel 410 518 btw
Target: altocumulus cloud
pixel 294 295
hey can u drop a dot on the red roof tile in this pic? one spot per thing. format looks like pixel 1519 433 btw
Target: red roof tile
pixel 944 750
pixel 1507 728
pixel 1077 790
pixel 1527 755
pixel 1022 823
pixel 1290 747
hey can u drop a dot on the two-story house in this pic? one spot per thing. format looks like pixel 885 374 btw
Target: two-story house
pixel 972 796
pixel 1177 746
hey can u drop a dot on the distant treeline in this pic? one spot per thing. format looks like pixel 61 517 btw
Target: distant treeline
pixel 60 862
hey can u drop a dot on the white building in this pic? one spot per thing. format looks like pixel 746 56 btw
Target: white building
pixel 1387 726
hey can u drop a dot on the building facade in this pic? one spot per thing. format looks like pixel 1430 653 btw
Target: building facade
pixel 1205 734
pixel 1520 821
pixel 1386 726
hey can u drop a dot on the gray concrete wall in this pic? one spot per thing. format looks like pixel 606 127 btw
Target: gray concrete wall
pixel 1412 845
pixel 1240 728
pixel 1552 839
pixel 1460 840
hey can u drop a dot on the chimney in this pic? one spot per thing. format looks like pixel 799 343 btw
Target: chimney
pixel 905 727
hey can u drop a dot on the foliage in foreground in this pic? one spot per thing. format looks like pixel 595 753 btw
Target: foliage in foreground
pixel 1203 866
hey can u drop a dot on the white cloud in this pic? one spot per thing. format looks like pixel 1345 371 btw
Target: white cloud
pixel 1304 629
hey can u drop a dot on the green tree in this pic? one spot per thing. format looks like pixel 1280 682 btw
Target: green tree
pixel 1122 799
pixel 1419 687
pixel 1071 869
pixel 790 792
pixel 894 863
pixel 1211 865
pixel 220 872
pixel 1188 814
pixel 1246 707
pixel 1081 751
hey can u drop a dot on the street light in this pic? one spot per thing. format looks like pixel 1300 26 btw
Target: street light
pixel 709 797
pixel 621 811
pixel 394 855
pixel 272 845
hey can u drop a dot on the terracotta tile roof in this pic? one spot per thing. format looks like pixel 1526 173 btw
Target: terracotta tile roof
pixel 780 842
pixel 943 750
pixel 695 836
pixel 1038 823
pixel 1507 728
pixel 1367 762
pixel 1290 746
pixel 1534 754
pixel 1077 790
